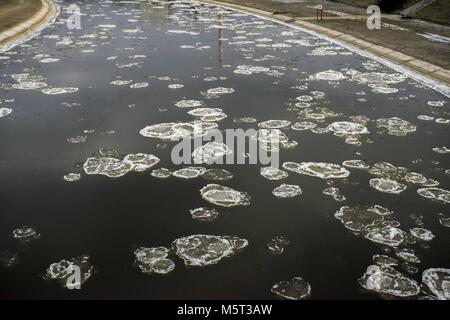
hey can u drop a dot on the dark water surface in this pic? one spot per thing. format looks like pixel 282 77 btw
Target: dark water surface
pixel 106 218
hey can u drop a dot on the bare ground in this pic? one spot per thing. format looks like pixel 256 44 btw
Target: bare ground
pixel 13 12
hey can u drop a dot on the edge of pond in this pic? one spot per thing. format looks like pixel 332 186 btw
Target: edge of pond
pixel 425 73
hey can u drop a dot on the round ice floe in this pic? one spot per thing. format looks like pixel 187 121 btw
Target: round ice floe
pixel 53 91
pixel 304 98
pixel 388 170
pixel 208 114
pixel 141 161
pixel 224 196
pixel 248 70
pixel 26 233
pixel 210 152
pixel 106 26
pixel 77 139
pixel 304 125
pixel 217 175
pixel 4 112
pixel 321 170
pixel 328 75
pixel 63 272
pixel 387 185
pixel 139 85
pixel 114 167
pixel 378 78
pixel 274 124
pixel 121 82
pixel 416 178
pixel 422 234
pixel 294 289
pixel 389 236
pixel 219 91
pixel 438 282
pixel 189 104
pixel 388 281
pixel 110 167
pixel 189 172
pixel 204 214
pixel 382 89
pixel 29 85
pixel 153 260
pixel 71 177
pixel 244 120
pixel 435 193
pixel 270 137
pixel 442 121
pixel 287 191
pixel 176 131
pixel 175 86
pixel 48 60
pixel 272 173
pixel 161 173
pixel 202 250
pixel 382 211
pixel 347 128
pixel 335 193
pixel 396 126
pixel 441 150
pixel 384 261
pixel 445 222
pixel 425 117
pixel 358 218
pixel 439 103
pixel 356 164
pixel 64 269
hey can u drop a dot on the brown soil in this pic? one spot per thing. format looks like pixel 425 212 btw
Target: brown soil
pixel 13 12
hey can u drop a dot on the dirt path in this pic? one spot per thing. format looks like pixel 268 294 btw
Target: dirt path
pixel 13 12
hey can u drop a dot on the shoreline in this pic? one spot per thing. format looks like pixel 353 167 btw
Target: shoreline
pixel 29 28
pixel 430 75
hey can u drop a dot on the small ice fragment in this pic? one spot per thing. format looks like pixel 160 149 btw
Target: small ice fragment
pixel 153 260
pixel 387 185
pixel 294 289
pixel 26 234
pixel 71 177
pixel 224 196
pixel 202 250
pixel 204 214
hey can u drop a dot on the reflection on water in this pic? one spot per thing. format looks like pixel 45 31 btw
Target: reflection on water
pixel 221 40
pixel 357 209
pixel 154 11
